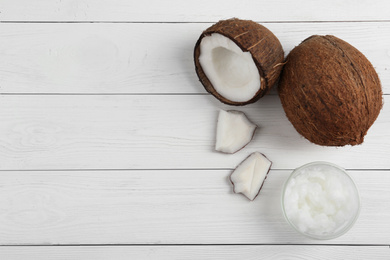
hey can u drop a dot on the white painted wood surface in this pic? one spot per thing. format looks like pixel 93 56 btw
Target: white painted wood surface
pixel 265 252
pixel 192 11
pixel 159 132
pixel 106 135
pixel 143 58
pixel 166 207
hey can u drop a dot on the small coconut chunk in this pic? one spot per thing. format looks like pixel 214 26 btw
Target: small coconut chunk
pixel 234 131
pixel 249 176
pixel 231 71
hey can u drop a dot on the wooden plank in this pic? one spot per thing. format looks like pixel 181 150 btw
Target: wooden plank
pixel 142 58
pixel 166 207
pixel 192 11
pixel 198 252
pixel 159 132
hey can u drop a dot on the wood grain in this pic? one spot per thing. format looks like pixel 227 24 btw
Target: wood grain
pixel 166 207
pixel 110 86
pixel 197 252
pixel 142 58
pixel 159 132
pixel 191 11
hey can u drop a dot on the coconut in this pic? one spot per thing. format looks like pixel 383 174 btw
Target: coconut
pixel 234 131
pixel 330 92
pixel 238 61
pixel 249 176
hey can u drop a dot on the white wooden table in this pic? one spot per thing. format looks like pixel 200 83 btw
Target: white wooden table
pixel 106 134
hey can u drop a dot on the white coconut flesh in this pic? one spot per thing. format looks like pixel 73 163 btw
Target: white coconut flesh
pixel 234 131
pixel 249 176
pixel 231 71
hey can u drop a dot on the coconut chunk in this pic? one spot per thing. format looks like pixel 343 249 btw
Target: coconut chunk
pixel 249 176
pixel 231 71
pixel 234 131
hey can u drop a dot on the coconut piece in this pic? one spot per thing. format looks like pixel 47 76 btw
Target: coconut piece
pixel 234 131
pixel 238 61
pixel 330 92
pixel 248 178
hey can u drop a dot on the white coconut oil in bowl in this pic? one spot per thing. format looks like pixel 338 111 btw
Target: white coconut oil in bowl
pixel 320 200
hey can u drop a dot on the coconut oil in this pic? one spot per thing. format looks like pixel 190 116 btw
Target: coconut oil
pixel 320 200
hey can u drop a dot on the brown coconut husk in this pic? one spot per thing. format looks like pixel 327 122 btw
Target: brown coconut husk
pixel 330 91
pixel 265 48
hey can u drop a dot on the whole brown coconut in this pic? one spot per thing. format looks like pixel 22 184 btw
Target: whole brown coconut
pixel 330 91
pixel 238 61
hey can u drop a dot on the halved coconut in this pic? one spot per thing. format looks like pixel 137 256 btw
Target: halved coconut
pixel 248 178
pixel 238 61
pixel 234 131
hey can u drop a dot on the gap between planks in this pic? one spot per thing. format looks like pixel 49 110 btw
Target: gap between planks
pixel 188 245
pixel 162 169
pixel 195 22
pixel 117 94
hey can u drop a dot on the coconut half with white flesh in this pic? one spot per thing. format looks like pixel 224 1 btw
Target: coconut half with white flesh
pixel 234 131
pixel 248 178
pixel 238 61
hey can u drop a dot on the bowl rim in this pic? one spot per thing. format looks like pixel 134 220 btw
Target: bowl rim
pixel 351 222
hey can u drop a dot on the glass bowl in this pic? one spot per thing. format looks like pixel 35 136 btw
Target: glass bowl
pixel 320 200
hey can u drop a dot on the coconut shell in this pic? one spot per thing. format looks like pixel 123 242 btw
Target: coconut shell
pixel 265 48
pixel 330 92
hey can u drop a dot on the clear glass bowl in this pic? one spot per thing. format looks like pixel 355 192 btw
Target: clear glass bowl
pixel 320 232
